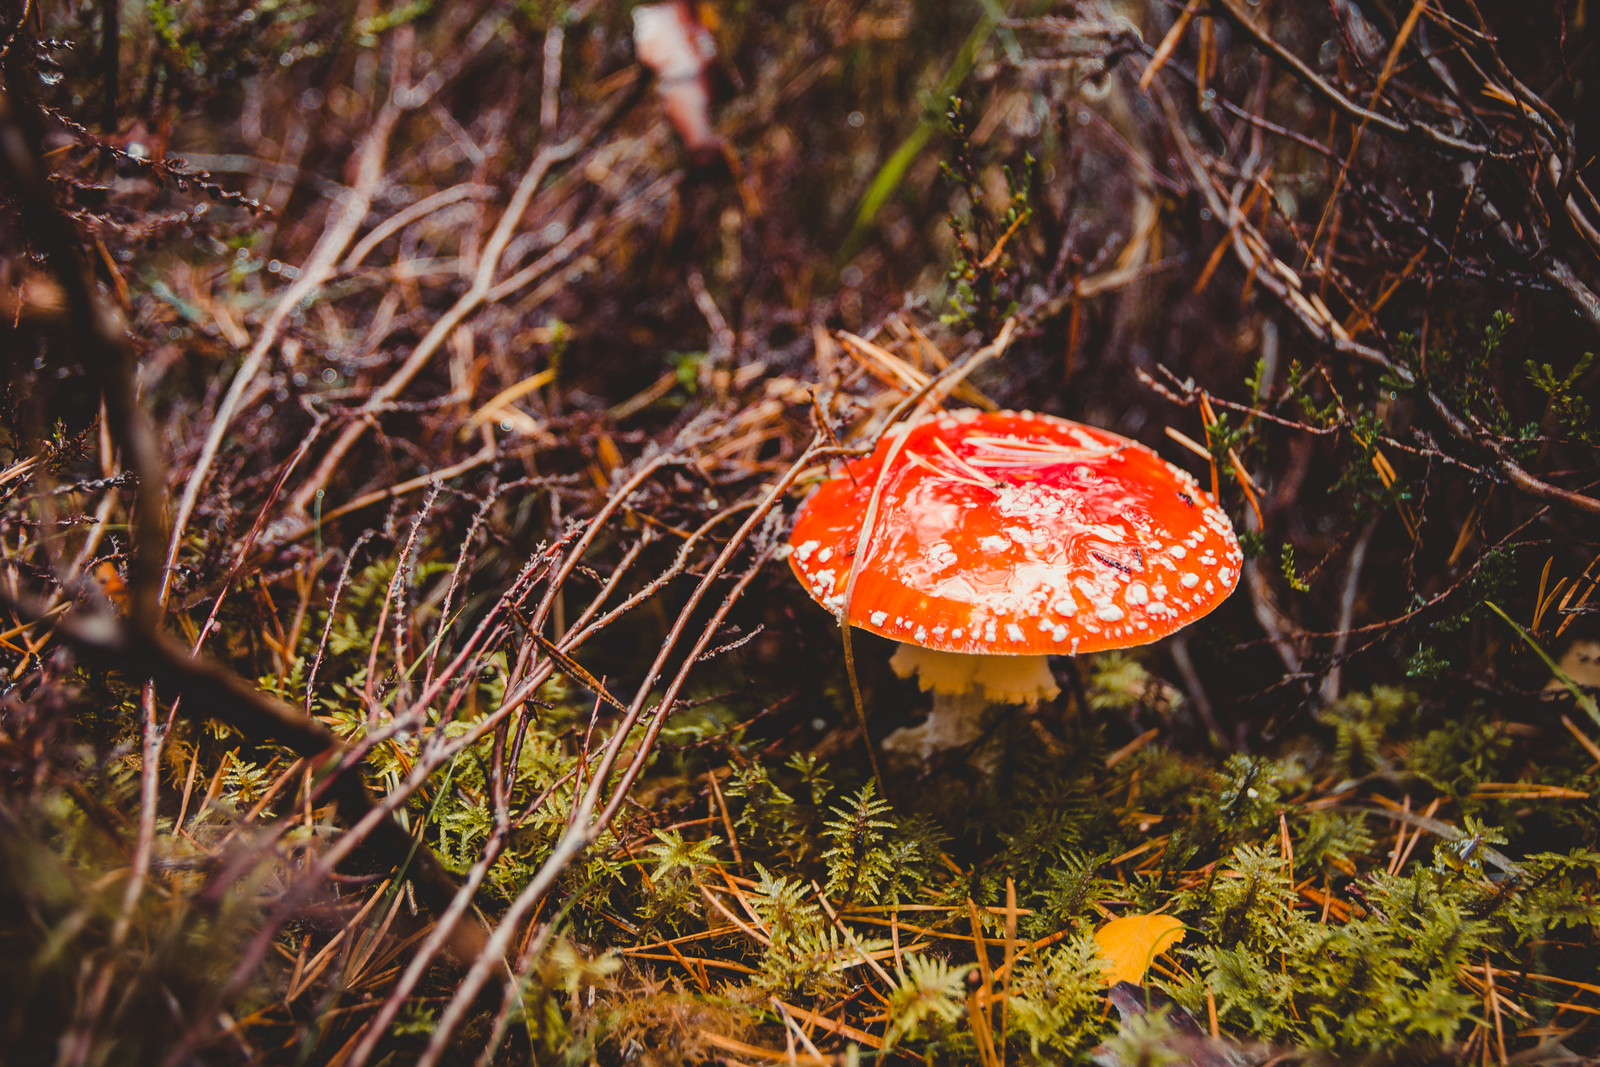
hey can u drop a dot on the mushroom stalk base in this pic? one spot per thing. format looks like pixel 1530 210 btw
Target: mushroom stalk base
pixel 956 721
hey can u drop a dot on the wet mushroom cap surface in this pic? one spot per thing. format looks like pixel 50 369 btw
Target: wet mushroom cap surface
pixel 1011 533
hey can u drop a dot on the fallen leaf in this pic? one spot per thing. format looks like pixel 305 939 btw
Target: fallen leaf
pixel 111 582
pixel 1127 945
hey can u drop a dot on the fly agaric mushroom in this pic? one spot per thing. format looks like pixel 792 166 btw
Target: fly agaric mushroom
pixel 1003 537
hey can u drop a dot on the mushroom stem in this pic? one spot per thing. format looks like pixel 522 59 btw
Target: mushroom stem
pixel 964 688
pixel 998 679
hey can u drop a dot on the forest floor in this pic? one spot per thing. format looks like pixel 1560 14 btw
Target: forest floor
pixel 405 409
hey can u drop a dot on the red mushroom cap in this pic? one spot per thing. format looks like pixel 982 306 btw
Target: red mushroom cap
pixel 1010 533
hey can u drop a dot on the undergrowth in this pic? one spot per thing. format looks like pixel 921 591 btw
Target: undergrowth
pixel 398 436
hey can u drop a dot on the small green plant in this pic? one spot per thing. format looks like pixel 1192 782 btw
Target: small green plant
pixel 979 295
pixel 1570 408
pixel 1055 999
pixel 680 868
pixel 805 952
pixel 858 861
pixel 1296 582
pixel 929 990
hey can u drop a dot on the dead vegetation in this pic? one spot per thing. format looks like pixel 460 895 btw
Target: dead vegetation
pixel 401 433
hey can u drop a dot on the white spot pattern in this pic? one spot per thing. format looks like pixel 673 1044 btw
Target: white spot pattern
pixel 1034 485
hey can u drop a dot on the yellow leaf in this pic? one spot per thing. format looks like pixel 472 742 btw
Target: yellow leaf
pixel 115 588
pixel 1127 945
